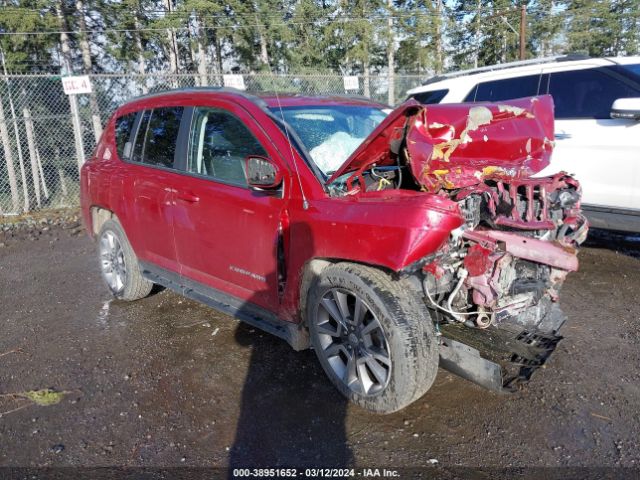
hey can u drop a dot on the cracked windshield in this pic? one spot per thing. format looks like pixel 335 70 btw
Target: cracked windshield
pixel 331 133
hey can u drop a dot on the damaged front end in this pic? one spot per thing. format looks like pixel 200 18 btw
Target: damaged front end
pixel 493 288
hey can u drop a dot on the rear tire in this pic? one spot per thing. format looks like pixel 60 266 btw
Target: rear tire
pixel 373 336
pixel 119 264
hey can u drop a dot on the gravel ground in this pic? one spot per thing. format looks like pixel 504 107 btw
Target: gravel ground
pixel 166 381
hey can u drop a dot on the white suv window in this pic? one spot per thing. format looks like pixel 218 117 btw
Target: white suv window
pixel 587 93
pixel 433 96
pixel 505 89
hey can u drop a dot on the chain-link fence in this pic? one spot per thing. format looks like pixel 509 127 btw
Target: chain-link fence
pixel 46 135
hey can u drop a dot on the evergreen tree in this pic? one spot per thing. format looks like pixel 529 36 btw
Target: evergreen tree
pixel 261 35
pixel 603 28
pixel 544 28
pixel 356 33
pixel 421 48
pixel 127 43
pixel 308 48
pixel 28 53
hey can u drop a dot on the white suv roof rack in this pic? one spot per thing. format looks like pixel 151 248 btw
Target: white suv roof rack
pixel 503 66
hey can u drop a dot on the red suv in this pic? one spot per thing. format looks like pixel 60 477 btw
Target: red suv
pixel 390 242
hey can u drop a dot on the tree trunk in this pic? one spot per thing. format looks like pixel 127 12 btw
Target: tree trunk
pixel 194 56
pixel 173 48
pixel 141 63
pixel 8 157
pixel 219 56
pixel 476 35
pixel 88 70
pixel 63 180
pixel 73 101
pixel 45 190
pixel 391 92
pixel 439 54
pixel 31 143
pixel 264 52
pixel 367 86
pixel 202 57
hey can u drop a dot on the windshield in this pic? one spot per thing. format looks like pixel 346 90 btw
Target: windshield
pixel 331 133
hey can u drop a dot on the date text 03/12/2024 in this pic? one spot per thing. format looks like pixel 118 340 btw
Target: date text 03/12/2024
pixel 315 473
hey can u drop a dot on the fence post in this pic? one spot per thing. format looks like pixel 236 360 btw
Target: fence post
pixel 31 144
pixel 45 190
pixel 77 129
pixel 23 176
pixel 8 156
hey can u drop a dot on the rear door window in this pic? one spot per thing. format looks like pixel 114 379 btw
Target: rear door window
pixel 157 136
pixel 587 93
pixel 505 89
pixel 124 124
pixel 219 145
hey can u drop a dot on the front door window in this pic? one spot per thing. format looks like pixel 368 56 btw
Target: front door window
pixel 219 145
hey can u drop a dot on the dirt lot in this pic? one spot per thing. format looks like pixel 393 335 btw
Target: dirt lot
pixel 168 382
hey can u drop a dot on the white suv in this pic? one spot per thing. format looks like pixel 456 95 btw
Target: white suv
pixel 597 128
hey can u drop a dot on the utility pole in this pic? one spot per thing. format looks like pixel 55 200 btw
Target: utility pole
pixel 523 27
pixel 73 101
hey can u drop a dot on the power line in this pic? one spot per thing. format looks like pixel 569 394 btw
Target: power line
pixel 337 19
pixel 329 15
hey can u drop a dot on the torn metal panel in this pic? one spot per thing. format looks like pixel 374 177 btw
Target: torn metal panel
pixel 553 254
pixel 457 146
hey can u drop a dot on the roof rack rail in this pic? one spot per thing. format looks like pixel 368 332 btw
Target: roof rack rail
pixel 211 89
pixel 504 66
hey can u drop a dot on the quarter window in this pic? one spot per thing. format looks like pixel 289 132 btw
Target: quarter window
pixel 157 136
pixel 219 145
pixel 586 93
pixel 506 89
pixel 123 132
pixel 434 96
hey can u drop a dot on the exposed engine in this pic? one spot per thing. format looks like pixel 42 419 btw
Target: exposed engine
pixel 503 270
pixel 517 245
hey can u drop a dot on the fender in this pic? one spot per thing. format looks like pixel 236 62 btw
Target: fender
pixel 389 229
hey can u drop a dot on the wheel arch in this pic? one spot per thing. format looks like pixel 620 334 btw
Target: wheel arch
pixel 98 216
pixel 315 266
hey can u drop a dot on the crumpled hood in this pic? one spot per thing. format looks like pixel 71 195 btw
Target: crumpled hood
pixel 457 145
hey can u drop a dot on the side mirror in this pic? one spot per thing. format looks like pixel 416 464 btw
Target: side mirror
pixel 626 108
pixel 262 173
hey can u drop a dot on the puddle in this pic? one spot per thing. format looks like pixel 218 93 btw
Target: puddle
pixel 103 314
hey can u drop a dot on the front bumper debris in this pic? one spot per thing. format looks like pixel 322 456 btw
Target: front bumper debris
pixel 500 358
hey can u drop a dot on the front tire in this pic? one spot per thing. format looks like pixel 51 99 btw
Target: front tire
pixel 119 264
pixel 373 336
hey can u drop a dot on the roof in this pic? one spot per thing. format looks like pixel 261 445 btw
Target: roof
pixel 268 100
pixel 516 69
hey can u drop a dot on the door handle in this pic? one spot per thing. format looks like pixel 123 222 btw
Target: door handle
pixel 188 197
pixel 561 135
